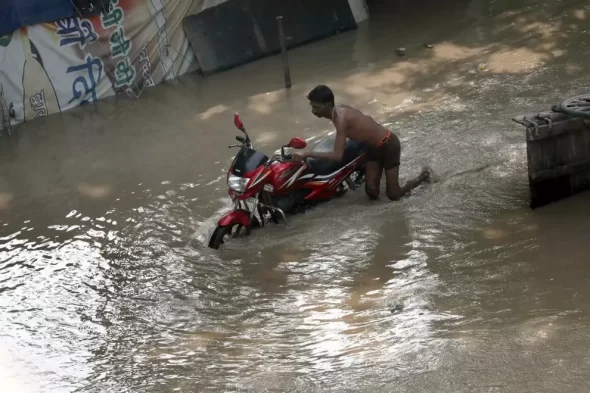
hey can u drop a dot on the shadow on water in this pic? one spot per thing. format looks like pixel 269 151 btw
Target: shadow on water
pixel 106 283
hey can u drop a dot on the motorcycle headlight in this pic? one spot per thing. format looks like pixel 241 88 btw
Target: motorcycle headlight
pixel 237 183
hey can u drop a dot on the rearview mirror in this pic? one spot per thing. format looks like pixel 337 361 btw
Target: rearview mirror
pixel 238 122
pixel 297 143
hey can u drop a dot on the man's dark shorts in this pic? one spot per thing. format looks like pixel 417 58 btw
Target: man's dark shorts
pixel 387 153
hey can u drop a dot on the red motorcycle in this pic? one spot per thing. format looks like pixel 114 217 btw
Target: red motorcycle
pixel 267 189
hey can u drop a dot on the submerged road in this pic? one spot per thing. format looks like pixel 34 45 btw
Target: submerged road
pixel 106 283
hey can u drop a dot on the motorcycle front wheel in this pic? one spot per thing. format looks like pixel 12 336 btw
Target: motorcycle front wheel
pixel 219 236
pixel 225 232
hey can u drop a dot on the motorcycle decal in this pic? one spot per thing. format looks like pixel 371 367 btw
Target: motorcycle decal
pixel 293 178
pixel 334 174
pixel 317 183
pixel 291 171
pixel 330 176
pixel 288 172
pixel 334 184
pixel 261 176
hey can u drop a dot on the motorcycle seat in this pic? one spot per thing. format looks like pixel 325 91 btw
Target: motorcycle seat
pixel 325 167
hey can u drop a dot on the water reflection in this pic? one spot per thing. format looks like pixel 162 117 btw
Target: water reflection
pixel 106 283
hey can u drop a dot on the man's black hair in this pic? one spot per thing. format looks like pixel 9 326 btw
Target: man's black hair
pixel 321 93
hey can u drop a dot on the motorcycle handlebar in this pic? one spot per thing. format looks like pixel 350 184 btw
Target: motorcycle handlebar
pixel 243 142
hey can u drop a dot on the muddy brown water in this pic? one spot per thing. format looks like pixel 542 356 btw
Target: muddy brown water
pixel 106 284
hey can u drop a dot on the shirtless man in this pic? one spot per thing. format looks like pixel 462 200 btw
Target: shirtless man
pixel 384 147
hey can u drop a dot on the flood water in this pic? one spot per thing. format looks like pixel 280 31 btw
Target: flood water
pixel 106 283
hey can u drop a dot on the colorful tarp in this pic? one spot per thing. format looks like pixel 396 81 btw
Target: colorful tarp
pixel 51 67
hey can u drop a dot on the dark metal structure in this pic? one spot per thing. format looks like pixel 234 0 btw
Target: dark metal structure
pixel 558 150
pixel 241 31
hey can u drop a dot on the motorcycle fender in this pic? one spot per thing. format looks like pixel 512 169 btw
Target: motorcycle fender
pixel 239 216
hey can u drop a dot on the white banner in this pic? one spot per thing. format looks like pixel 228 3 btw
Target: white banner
pixel 52 67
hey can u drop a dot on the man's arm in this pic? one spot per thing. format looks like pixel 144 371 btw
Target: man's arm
pixel 339 144
pixel 336 155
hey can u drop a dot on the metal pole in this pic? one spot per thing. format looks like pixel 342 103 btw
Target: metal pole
pixel 286 71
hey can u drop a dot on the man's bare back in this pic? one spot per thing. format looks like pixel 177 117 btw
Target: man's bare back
pixel 384 149
pixel 358 126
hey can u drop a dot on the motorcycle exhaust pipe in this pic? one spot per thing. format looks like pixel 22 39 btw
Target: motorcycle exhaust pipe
pixel 282 214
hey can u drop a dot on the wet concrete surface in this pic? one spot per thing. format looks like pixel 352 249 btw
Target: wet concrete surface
pixel 106 283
